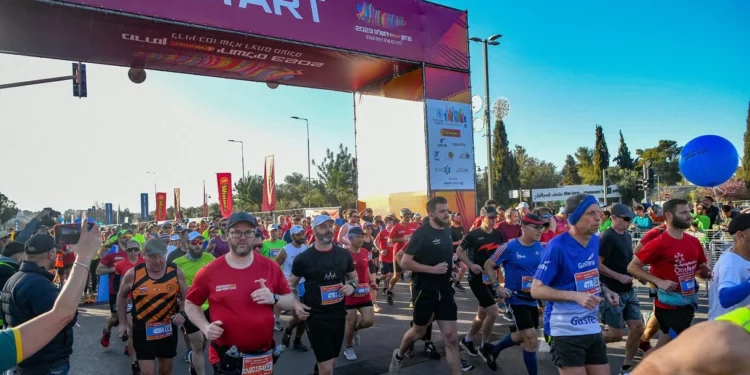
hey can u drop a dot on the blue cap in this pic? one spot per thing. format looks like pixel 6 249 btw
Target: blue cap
pixel 355 231
pixel 338 222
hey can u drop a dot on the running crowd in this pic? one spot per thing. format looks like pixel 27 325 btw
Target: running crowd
pixel 226 285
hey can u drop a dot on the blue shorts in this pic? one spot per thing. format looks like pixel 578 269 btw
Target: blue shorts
pixel 628 309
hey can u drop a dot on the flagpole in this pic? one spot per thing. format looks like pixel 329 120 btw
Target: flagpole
pixel 205 209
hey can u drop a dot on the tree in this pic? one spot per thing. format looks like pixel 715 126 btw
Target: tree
pixel 585 158
pixel 481 196
pixel 505 170
pixel 248 194
pixel 336 174
pixel 601 154
pixel 732 190
pixel 570 174
pixel 8 209
pixel 535 173
pixel 626 181
pixel 623 158
pixel 744 172
pixel 665 161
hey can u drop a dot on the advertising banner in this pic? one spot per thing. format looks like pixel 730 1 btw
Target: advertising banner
pixel 269 185
pixel 449 143
pixel 406 29
pixel 177 210
pixel 144 206
pixel 564 192
pixel 224 181
pixel 108 213
pixel 161 207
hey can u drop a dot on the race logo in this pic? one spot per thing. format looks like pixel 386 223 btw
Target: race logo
pixel 452 115
pixel 456 133
pixel 366 12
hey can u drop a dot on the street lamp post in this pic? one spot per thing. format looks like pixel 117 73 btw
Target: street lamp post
pixel 491 41
pixel 242 145
pixel 154 174
pixel 307 124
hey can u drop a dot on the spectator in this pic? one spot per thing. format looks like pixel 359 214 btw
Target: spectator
pixel 641 221
pixel 711 211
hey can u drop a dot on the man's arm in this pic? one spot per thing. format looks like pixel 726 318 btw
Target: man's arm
pixel 635 268
pixel 352 277
pixel 195 315
pixel 409 264
pixel 606 271
pixel 211 246
pixel 102 269
pixel 183 287
pixel 281 257
pixel 489 269
pixel 546 293
pixel 122 295
pixel 461 253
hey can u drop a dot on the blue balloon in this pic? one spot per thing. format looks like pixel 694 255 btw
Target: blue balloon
pixel 709 160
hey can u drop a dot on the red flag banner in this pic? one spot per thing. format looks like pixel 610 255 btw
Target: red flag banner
pixel 177 210
pixel 224 180
pixel 269 185
pixel 161 207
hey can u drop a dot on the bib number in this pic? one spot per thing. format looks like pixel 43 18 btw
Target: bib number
pixel 362 290
pixel 526 283
pixel 259 364
pixel 274 253
pixel 588 281
pixel 330 295
pixel 158 331
pixel 369 256
pixel 687 286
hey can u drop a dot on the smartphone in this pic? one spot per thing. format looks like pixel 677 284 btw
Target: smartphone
pixel 69 234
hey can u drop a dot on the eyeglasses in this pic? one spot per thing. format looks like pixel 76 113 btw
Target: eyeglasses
pixel 197 242
pixel 133 250
pixel 626 218
pixel 248 234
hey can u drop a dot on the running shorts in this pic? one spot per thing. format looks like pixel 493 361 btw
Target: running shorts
pixel 524 316
pixel 439 303
pixel 149 350
pixel 578 351
pixel 326 336
pixel 677 320
pixel 484 293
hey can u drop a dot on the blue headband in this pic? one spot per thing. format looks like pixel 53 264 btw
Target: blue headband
pixel 576 215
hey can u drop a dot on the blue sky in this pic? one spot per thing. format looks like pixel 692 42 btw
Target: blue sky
pixel 655 70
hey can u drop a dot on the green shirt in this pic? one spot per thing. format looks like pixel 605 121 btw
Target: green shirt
pixel 11 350
pixel 139 238
pixel 271 249
pixel 605 225
pixel 191 267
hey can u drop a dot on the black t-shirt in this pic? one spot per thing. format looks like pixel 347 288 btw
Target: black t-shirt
pixel 176 253
pixel 617 251
pixel 430 247
pixel 324 273
pixel 480 246
pixel 457 233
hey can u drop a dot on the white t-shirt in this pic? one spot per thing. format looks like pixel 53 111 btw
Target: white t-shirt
pixel 343 234
pixel 730 270
pixel 291 253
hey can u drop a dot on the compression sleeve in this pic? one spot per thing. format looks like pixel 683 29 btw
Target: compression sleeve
pixel 730 296
pixel 740 316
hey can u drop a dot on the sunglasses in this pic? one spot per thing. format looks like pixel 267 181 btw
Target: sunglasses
pixel 133 250
pixel 197 242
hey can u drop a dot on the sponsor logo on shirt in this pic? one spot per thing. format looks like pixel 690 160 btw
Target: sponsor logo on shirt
pixel 436 241
pixel 520 256
pixel 226 287
pixel 590 262
pixel 576 321
pixel 330 276
pixel 543 266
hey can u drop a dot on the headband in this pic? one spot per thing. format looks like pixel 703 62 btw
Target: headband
pixel 578 212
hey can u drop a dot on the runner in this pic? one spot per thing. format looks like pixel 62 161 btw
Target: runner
pixel 361 300
pixel 730 287
pixel 285 259
pixel 568 278
pixel 457 235
pixel 371 247
pixel 107 267
pixel 190 264
pixel 675 258
pixel 241 289
pixel 271 248
pixel 520 259
pixel 353 221
pixel 156 287
pixel 399 236
pixel 386 257
pixel 122 267
pixel 652 325
pixel 480 244
pixel 329 276
pixel 430 256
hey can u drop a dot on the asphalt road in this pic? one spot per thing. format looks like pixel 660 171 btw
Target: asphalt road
pixel 377 344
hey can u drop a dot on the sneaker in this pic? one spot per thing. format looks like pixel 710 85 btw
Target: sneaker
pixel 376 308
pixel 411 304
pixel 105 338
pixel 357 339
pixel 349 353
pixel 431 351
pixel 395 366
pixel 385 290
pixel 466 366
pixel 409 351
pixel 644 347
pixel 135 368
pixel 278 326
pixel 389 298
pixel 299 346
pixel 625 371
pixel 508 316
pixel 187 356
pixel 286 339
pixel 469 347
pixel 488 356
pixel 459 286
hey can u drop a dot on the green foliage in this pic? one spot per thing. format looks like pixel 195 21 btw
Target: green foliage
pixel 8 209
pixel 600 159
pixel 505 170
pixel 623 159
pixel 744 172
pixel 585 158
pixel 481 196
pixel 248 194
pixel 336 174
pixel 535 173
pixel 665 161
pixel 570 174
pixel 626 180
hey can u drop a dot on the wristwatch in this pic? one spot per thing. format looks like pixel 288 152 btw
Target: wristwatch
pixel 275 298
pixel 495 285
pixel 353 284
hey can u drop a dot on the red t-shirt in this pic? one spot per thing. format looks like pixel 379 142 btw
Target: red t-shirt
pixel 69 257
pixel 547 236
pixel 400 230
pixel 562 225
pixel 386 246
pixel 109 261
pixel 510 231
pixel 228 292
pixel 362 293
pixel 477 222
pixel 652 234
pixel 672 259
pixel 122 267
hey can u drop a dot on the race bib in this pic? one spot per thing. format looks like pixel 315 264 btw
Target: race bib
pixel 369 256
pixel 158 331
pixel 485 279
pixel 257 364
pixel 274 253
pixel 526 283
pixel 330 295
pixel 362 290
pixel 455 258
pixel 687 286
pixel 588 281
pixel 130 307
pixel 388 243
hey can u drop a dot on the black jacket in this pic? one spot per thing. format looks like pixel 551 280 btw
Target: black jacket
pixel 28 294
pixel 7 269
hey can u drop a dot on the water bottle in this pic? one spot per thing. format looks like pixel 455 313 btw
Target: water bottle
pixel 278 350
pixel 407 276
pixel 233 352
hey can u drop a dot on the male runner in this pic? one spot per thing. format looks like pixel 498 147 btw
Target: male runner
pixel 219 245
pixel 156 287
pixel 273 245
pixel 568 278
pixel 122 267
pixel 520 259
pixel 675 258
pixel 480 244
pixel 286 259
pixel 329 276
pixel 107 267
pixel 730 286
pixel 352 221
pixel 192 262
pixel 386 256
pixel 429 256
pixel 360 300
pixel 399 237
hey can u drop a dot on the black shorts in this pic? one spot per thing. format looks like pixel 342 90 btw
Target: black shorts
pixel 525 317
pixel 437 302
pixel 359 306
pixel 371 265
pixel 326 336
pixel 146 350
pixel 484 293
pixel 386 268
pixel 678 319
pixel 113 303
pixel 578 351
pixel 189 328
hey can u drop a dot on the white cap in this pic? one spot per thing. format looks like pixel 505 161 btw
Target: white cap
pixel 271 227
pixel 522 205
pixel 175 237
pixel 194 235
pixel 296 229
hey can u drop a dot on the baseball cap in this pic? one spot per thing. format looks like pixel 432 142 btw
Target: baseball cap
pixel 561 211
pixel 522 205
pixel 320 219
pixel 175 237
pixel 13 248
pixel 488 211
pixel 296 229
pixel 241 217
pixel 622 210
pixel 271 227
pixel 355 231
pixel 40 244
pixel 194 235
pixel 531 219
pixel 133 244
pixel 406 212
pixel 338 222
pixel 739 223
pixel 155 247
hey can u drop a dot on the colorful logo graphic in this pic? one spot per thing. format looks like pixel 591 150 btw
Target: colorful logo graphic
pixel 366 12
pixel 452 115
pixel 257 71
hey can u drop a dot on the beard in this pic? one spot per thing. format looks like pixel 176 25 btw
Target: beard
pixel 240 249
pixel 326 238
pixel 195 253
pixel 298 241
pixel 680 224
pixel 445 223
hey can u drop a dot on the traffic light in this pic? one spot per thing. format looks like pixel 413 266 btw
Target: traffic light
pixel 79 80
